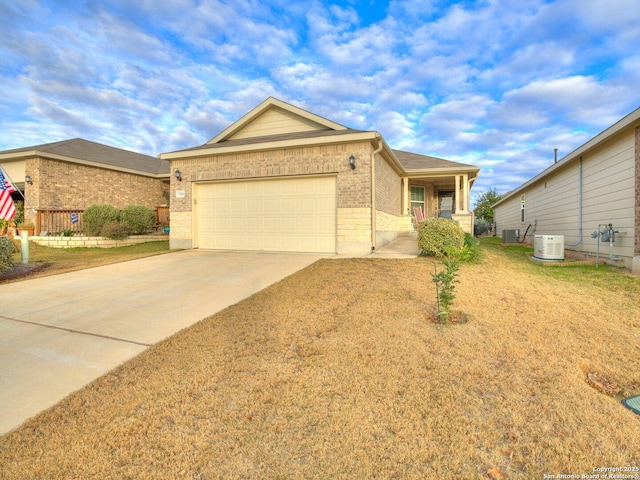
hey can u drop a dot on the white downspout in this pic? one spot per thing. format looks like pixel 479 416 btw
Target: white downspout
pixel 373 191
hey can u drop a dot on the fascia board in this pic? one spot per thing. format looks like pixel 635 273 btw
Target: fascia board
pixel 19 155
pixel 442 172
pixel 392 159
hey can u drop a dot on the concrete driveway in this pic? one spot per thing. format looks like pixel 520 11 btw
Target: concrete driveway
pixel 59 333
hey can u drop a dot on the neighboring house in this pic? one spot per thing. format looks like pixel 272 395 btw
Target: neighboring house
pixel 596 184
pixel 74 174
pixel 284 179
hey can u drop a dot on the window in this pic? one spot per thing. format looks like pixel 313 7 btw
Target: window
pixel 417 198
pixel 522 204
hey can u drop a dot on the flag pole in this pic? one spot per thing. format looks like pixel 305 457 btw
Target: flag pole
pixel 6 175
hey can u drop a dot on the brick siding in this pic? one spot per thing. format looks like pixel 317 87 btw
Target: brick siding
pixel 353 186
pixel 61 185
pixel 388 188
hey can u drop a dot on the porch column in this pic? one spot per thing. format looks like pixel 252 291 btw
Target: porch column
pixel 405 196
pixel 456 208
pixel 465 184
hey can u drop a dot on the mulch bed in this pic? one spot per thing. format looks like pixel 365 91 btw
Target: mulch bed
pixel 21 270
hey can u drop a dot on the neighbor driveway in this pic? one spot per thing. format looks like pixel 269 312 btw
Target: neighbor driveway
pixel 59 333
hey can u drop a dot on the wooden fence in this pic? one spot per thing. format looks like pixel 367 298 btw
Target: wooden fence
pixel 55 222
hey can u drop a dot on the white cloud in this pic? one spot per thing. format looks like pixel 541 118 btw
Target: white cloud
pixel 498 83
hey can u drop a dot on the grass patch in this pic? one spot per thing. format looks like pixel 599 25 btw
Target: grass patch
pixel 608 277
pixel 337 372
pixel 61 260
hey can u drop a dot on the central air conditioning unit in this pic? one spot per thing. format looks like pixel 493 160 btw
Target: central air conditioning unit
pixel 510 236
pixel 548 247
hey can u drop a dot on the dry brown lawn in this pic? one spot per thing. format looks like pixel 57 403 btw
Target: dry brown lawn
pixel 64 260
pixel 336 372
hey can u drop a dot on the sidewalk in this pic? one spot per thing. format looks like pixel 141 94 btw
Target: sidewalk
pixel 405 246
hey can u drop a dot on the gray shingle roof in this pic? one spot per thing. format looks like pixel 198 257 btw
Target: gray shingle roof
pixel 100 153
pixel 415 161
pixel 272 138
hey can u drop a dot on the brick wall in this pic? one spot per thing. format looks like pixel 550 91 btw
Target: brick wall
pixel 353 186
pixel 354 189
pixel 61 185
pixel 388 188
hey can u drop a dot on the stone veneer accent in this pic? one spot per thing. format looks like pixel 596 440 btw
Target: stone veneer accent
pixel 181 227
pixel 465 220
pixel 59 185
pixel 354 230
pixel 353 186
pixel 94 242
pixel 388 226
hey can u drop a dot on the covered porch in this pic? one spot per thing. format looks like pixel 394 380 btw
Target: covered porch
pixel 444 194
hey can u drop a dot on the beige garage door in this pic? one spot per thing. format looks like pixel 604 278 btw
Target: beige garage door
pixel 285 215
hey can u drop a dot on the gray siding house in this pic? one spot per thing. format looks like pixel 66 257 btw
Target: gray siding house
pixel 595 185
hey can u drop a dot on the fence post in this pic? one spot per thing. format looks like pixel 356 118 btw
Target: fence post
pixel 38 223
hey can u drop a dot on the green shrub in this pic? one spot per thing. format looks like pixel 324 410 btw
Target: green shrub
pixel 115 230
pixel 481 226
pixel 7 249
pixel 440 236
pixel 19 216
pixel 471 250
pixel 97 216
pixel 140 219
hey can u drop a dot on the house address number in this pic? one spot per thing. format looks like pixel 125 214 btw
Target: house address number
pixel 179 193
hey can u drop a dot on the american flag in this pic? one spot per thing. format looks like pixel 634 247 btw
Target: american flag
pixel 7 207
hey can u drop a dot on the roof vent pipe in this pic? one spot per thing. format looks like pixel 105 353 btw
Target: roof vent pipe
pixel 555 155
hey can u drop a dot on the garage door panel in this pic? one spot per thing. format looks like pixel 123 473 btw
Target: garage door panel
pixel 294 214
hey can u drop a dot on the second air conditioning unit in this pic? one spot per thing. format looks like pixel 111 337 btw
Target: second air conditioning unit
pixel 548 247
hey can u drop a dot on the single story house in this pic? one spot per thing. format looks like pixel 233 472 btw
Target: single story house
pixel 595 185
pixel 284 179
pixel 73 174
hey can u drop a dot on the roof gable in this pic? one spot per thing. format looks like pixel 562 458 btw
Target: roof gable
pixel 275 117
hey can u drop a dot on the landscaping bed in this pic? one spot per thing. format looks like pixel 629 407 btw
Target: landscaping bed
pixel 338 372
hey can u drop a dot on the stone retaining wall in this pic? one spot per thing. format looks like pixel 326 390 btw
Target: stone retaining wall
pixel 94 242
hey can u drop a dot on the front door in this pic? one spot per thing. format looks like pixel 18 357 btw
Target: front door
pixel 446 201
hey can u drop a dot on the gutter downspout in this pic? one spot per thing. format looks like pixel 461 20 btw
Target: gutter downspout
pixel 373 191
pixel 579 207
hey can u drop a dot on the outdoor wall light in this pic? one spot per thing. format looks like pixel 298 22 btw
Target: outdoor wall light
pixel 352 162
pixel 28 180
pixel 178 175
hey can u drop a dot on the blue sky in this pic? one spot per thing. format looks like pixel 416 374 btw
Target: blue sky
pixel 495 83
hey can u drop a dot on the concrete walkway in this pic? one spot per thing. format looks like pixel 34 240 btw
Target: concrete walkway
pixel 59 333
pixel 405 246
